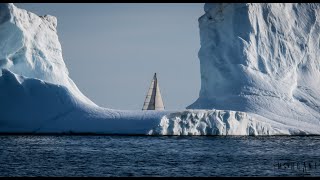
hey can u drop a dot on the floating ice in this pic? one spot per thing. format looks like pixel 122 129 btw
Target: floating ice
pixel 260 75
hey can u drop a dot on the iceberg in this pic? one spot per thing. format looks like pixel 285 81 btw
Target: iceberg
pixel 262 59
pixel 38 96
pixel 30 47
pixel 259 76
pixel 30 105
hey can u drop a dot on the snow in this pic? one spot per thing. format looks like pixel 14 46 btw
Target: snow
pixel 259 76
pixel 30 105
pixel 262 59
pixel 36 92
pixel 30 47
pixel 221 122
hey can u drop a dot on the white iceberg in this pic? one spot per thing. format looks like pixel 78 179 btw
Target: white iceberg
pixel 262 59
pixel 258 66
pixel 36 93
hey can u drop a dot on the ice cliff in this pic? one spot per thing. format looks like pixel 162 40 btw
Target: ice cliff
pixel 36 92
pixel 262 59
pixel 30 47
pixel 259 76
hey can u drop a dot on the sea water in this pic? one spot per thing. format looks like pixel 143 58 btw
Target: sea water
pixel 159 155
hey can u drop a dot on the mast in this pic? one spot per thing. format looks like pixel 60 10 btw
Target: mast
pixel 155 90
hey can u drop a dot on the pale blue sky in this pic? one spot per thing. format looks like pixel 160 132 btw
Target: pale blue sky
pixel 112 50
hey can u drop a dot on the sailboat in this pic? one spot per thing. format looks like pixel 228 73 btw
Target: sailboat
pixel 153 99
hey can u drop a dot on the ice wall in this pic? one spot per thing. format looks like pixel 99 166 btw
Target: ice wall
pixel 36 93
pixel 30 47
pixel 262 59
pixel 259 76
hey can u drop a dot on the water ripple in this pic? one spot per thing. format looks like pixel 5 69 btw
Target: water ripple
pixel 159 156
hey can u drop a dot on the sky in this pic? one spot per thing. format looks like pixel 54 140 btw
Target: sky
pixel 113 50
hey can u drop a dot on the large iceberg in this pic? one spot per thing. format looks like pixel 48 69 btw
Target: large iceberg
pixel 30 47
pixel 259 76
pixel 262 59
pixel 36 93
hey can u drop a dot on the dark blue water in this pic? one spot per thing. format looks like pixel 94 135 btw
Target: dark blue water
pixel 159 156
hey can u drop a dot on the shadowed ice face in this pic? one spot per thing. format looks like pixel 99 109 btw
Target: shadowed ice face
pixel 247 48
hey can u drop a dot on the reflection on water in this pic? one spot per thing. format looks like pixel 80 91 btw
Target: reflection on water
pixel 159 156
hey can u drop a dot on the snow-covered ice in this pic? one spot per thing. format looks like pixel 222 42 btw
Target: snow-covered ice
pixel 36 92
pixel 30 105
pixel 30 47
pixel 222 122
pixel 259 76
pixel 262 59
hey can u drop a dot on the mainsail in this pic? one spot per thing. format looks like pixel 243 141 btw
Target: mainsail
pixel 153 99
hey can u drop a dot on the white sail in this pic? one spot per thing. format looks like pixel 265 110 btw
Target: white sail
pixel 158 99
pixel 153 99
